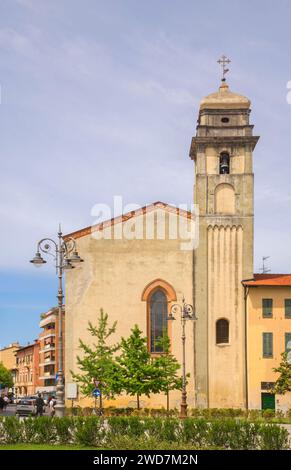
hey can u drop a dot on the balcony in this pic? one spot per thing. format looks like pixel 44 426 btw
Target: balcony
pixel 48 362
pixel 48 388
pixel 47 333
pixel 48 347
pixel 48 320
pixel 47 375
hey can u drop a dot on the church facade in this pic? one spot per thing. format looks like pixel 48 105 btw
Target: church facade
pixel 137 278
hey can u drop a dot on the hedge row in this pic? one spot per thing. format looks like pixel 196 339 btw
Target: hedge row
pixel 207 413
pixel 98 432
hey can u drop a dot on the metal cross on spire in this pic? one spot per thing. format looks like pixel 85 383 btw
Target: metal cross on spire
pixel 224 61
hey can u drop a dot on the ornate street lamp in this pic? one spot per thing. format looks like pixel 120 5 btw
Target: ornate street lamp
pixel 65 255
pixel 187 313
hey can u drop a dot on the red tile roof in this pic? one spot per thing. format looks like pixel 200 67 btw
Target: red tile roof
pixel 268 280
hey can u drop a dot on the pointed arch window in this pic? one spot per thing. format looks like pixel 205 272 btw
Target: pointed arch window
pixel 222 331
pixel 158 323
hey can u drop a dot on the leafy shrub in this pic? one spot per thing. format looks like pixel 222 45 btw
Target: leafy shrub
pixel 280 415
pixel 89 431
pixel 234 434
pixel 44 430
pixel 29 430
pixel 224 433
pixel 268 414
pixel 12 430
pixel 247 438
pixel 254 414
pixel 273 437
pixel 122 425
pixel 170 430
pixel 64 429
pixel 195 431
pixel 142 433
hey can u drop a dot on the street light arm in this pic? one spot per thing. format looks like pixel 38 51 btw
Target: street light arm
pixel 175 309
pixel 187 310
pixel 69 245
pixel 46 245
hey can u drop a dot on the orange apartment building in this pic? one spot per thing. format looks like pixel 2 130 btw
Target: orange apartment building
pixel 27 369
pixel 48 351
pixel 8 359
pixel 35 365
pixel 268 313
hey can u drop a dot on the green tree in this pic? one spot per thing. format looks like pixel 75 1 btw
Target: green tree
pixel 98 361
pixel 139 372
pixel 283 382
pixel 168 367
pixel 5 377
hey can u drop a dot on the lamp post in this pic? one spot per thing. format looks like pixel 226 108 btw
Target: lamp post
pixel 65 255
pixel 187 313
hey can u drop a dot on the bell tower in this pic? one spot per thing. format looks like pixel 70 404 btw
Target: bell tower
pixel 224 192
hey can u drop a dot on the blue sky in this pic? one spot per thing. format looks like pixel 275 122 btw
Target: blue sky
pixel 100 98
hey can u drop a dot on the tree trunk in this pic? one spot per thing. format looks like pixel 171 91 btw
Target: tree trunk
pixel 168 401
pixel 137 397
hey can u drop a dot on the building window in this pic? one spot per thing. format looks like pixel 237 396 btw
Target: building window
pixel 224 163
pixel 287 342
pixel 267 305
pixel 287 308
pixel 158 319
pixel 267 385
pixel 222 331
pixel 267 345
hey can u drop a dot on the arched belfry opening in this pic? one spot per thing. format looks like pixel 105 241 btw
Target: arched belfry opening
pixel 224 163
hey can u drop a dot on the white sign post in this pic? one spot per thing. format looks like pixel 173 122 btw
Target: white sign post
pixel 72 392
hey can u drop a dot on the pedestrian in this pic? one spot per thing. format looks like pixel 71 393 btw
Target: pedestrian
pixel 39 403
pixel 2 403
pixel 6 401
pixel 52 407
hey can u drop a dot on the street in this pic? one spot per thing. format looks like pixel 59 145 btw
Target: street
pixel 11 410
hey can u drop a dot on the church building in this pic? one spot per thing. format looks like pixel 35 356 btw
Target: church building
pixel 138 265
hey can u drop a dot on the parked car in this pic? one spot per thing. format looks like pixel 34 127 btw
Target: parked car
pixel 26 407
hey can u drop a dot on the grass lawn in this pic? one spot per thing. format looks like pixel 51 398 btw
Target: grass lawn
pixel 44 447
